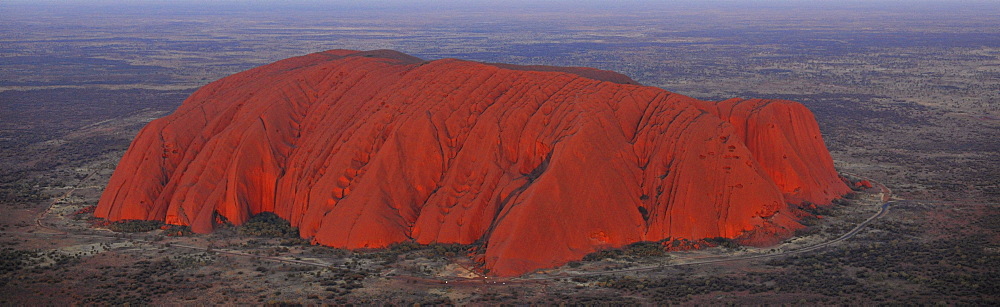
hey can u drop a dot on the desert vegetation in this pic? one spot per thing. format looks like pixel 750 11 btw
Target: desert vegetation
pixel 268 224
pixel 134 226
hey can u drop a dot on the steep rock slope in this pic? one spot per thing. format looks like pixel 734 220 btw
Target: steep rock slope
pixel 785 140
pixel 540 164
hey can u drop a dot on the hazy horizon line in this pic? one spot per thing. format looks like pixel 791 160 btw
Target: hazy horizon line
pixel 488 4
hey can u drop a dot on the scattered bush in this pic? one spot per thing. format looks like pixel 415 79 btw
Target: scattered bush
pixel 724 242
pixel 176 230
pixel 632 251
pixel 267 224
pixel 193 260
pixel 134 226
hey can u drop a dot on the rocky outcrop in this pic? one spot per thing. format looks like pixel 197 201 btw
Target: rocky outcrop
pixel 785 140
pixel 542 165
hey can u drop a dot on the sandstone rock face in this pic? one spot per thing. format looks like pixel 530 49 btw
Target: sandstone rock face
pixel 785 140
pixel 542 165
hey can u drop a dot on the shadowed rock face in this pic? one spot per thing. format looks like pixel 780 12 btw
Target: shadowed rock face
pixel 541 164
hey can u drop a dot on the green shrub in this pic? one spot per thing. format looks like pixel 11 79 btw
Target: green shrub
pixel 134 226
pixel 632 251
pixel 267 224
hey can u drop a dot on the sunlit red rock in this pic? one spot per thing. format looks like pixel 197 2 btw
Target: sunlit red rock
pixel 541 164
pixel 785 140
pixel 863 184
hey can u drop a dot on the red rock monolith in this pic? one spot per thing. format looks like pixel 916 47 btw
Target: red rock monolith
pixel 540 164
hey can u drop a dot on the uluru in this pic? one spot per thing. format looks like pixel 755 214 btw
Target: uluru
pixel 540 165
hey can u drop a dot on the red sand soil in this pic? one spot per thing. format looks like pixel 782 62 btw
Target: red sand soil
pixel 543 165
